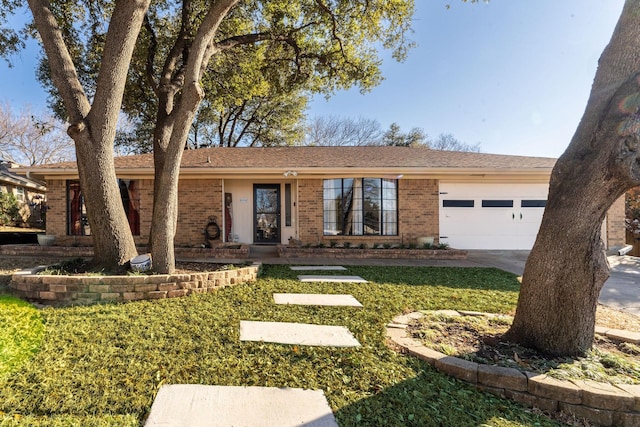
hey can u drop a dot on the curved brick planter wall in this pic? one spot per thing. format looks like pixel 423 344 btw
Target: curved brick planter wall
pixel 601 403
pixel 340 253
pixel 68 290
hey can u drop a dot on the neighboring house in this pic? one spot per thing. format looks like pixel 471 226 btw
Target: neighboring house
pixel 324 194
pixel 29 192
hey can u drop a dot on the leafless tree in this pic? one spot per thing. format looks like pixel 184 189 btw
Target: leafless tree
pixel 447 142
pixel 336 131
pixel 30 140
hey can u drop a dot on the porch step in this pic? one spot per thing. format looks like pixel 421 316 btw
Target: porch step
pixel 263 251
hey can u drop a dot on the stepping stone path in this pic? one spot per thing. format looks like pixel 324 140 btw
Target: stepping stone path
pixel 218 406
pixel 317 299
pixel 297 334
pixel 317 268
pixel 196 405
pixel 331 279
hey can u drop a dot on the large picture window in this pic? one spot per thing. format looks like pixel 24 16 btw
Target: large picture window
pixel 77 223
pixel 360 207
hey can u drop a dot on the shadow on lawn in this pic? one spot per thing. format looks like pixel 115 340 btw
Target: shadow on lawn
pixel 473 278
pixel 433 399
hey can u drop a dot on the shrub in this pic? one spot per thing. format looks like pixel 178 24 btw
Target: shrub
pixel 9 209
pixel 346 245
pixel 333 243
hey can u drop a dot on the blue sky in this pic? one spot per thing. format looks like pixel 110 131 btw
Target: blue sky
pixel 513 75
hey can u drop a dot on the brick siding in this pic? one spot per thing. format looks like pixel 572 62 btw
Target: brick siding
pixel 616 231
pixel 198 199
pixel 418 213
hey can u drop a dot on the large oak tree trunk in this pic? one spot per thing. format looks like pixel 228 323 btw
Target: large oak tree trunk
pixel 167 160
pixel 567 266
pixel 179 97
pixel 113 242
pixel 93 125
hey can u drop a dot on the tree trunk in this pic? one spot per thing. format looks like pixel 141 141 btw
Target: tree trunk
pixel 93 126
pixel 165 212
pixel 567 265
pixel 179 97
pixel 166 159
pixel 113 242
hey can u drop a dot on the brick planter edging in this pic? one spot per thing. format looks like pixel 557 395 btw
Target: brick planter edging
pixel 602 403
pixel 83 290
pixel 342 253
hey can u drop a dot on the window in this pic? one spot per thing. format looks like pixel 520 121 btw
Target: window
pixel 78 224
pixel 360 207
pixel 533 203
pixel 458 203
pixel 287 205
pixel 20 194
pixel 497 203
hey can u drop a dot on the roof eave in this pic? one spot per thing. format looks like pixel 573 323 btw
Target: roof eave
pixel 314 172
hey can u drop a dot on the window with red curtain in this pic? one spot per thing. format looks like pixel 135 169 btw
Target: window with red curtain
pixel 77 223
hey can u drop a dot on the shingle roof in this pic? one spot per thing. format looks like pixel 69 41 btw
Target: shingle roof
pixel 9 176
pixel 331 157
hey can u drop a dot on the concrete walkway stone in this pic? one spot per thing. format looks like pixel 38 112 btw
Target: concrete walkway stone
pixel 297 334
pixel 318 268
pixel 188 405
pixel 317 299
pixel 331 279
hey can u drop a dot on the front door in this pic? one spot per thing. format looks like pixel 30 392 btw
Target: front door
pixel 266 208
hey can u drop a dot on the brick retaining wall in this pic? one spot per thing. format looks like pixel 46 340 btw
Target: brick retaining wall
pixel 339 253
pixel 87 251
pixel 602 403
pixel 82 290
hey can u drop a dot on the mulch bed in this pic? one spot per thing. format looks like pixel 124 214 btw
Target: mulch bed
pixel 82 266
pixel 482 340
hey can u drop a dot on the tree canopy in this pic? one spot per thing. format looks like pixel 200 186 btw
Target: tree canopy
pixel 160 62
pixel 266 59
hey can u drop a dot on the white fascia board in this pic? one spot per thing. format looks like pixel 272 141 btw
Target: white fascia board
pixel 465 174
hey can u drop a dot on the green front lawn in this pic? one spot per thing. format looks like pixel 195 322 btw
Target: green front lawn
pixel 102 365
pixel 21 332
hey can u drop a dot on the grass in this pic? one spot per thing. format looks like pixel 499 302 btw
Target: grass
pixel 102 365
pixel 21 331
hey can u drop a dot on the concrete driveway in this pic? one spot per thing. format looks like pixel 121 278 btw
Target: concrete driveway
pixel 620 291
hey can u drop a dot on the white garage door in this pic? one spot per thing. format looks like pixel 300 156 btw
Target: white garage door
pixel 491 216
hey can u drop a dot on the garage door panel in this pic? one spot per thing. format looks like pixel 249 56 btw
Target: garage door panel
pixel 493 226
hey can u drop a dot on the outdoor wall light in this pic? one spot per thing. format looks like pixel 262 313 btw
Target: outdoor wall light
pixel 290 173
